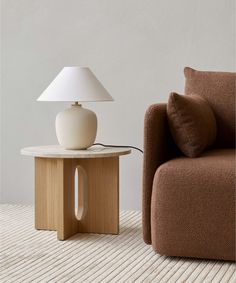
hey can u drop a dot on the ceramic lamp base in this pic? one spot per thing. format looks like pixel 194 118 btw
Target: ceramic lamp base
pixel 76 127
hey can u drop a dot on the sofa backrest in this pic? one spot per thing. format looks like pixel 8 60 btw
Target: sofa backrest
pixel 218 88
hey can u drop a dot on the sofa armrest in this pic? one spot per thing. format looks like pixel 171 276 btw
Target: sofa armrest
pixel 158 148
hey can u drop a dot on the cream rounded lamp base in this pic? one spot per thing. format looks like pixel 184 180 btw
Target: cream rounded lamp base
pixel 76 127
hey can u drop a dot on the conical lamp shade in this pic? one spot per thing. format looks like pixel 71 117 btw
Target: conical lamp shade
pixel 75 84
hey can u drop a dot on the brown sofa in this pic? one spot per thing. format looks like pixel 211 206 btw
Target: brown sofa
pixel 189 203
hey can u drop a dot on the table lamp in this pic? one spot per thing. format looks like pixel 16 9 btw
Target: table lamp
pixel 76 127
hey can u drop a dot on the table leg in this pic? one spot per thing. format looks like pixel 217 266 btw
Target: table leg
pixel 55 196
pixel 103 195
pixel 48 172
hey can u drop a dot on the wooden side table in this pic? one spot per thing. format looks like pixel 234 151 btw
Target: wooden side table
pixel 98 189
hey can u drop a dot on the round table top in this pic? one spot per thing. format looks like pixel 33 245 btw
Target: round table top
pixel 56 151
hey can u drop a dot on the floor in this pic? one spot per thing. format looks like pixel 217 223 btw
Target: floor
pixel 28 255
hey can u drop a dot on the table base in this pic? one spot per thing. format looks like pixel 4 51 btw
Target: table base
pixel 55 195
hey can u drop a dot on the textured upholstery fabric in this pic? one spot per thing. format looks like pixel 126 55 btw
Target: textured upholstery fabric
pixel 158 148
pixel 189 204
pixel 218 88
pixel 193 206
pixel 192 123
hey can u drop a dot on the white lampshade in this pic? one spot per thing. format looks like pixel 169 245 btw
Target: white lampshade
pixel 75 84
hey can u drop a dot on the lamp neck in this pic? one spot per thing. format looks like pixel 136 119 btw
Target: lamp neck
pixel 76 104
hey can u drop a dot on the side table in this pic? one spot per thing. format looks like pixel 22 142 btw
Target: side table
pixel 98 189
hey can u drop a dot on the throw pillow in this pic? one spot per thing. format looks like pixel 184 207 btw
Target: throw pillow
pixel 192 123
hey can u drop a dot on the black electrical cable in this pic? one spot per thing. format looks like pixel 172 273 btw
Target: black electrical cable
pixel 126 146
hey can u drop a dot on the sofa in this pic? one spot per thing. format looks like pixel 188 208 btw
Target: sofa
pixel 188 207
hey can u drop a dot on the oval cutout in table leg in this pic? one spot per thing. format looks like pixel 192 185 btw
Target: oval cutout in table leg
pixel 81 206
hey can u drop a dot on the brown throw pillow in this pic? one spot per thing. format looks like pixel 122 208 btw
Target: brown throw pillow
pixel 192 123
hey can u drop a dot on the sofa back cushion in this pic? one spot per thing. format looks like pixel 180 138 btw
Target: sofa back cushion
pixel 218 88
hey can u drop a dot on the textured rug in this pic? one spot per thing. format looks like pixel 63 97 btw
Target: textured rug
pixel 28 255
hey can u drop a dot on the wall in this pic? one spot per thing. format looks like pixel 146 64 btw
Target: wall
pixel 137 48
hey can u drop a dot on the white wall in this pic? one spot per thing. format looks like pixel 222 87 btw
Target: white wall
pixel 137 48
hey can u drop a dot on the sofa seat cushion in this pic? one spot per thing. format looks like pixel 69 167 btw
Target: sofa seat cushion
pixel 193 206
pixel 219 89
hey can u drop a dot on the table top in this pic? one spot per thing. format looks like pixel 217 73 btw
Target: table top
pixel 56 151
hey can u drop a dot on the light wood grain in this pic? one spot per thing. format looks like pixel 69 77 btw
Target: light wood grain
pixel 47 184
pixel 103 196
pixel 55 195
pixel 67 222
pixel 82 208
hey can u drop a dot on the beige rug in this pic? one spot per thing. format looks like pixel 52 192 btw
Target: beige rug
pixel 28 255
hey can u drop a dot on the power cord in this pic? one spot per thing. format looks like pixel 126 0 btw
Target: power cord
pixel 126 146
